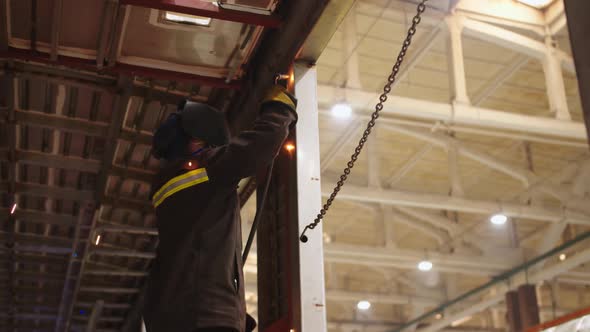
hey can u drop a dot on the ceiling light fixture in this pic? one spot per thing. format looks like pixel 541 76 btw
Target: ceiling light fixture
pixel 342 110
pixel 498 219
pixel 187 19
pixel 425 266
pixel 562 257
pixel 13 208
pixel 540 4
pixel 363 305
pixel 97 239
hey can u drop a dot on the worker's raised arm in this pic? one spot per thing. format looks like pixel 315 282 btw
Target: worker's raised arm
pixel 254 148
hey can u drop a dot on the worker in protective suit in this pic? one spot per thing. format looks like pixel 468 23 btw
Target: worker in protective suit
pixel 196 283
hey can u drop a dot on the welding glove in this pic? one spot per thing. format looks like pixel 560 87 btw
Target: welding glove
pixel 278 94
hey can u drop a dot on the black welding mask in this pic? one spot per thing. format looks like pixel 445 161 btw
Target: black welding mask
pixel 193 120
pixel 204 122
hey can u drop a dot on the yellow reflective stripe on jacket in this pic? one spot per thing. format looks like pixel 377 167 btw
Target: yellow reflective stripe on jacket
pixel 179 183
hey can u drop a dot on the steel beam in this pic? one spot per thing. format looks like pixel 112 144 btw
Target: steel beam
pixel 442 202
pixel 517 42
pixel 117 273
pixel 67 296
pixel 506 73
pixel 343 140
pixel 36 216
pixel 511 13
pixel 80 164
pixel 119 69
pixel 458 114
pixel 110 290
pixel 401 172
pixel 58 161
pixel 106 305
pixel 208 9
pixel 441 236
pixel 420 48
pixel 276 53
pixel 457 80
pixel 122 253
pixel 80 126
pixel 95 316
pixel 407 259
pixel 40 190
pixel 127 229
pixel 399 299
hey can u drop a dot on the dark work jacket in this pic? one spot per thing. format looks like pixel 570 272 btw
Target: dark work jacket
pixel 197 280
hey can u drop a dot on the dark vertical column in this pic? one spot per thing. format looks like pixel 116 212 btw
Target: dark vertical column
pixel 277 231
pixel 528 307
pixel 513 312
pixel 579 29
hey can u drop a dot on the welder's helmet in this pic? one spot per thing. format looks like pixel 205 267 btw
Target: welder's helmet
pixel 204 122
pixel 192 120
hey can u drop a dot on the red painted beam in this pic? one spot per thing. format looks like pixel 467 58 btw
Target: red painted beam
pixel 119 69
pixel 207 9
pixel 560 320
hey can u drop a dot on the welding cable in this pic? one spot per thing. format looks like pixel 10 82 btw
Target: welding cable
pixel 259 208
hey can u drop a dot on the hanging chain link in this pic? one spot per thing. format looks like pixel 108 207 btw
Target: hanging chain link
pixel 383 98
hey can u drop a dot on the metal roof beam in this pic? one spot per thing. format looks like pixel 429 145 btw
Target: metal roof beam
pixel 512 40
pixel 506 73
pixel 442 202
pixel 122 253
pixel 407 259
pixel 208 9
pixel 120 69
pixel 95 316
pixel 28 215
pixel 80 164
pixel 510 13
pixel 117 273
pixel 40 190
pixel 457 114
pixel 80 126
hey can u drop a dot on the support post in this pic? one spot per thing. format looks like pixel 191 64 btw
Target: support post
pixel 528 307
pixel 457 82
pixel 513 312
pixel 309 196
pixel 350 41
pixel 554 80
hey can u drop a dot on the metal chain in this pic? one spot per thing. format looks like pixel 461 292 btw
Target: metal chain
pixel 386 89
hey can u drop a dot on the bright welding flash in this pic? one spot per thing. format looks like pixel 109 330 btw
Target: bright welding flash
pixel 289 147
pixel 13 208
